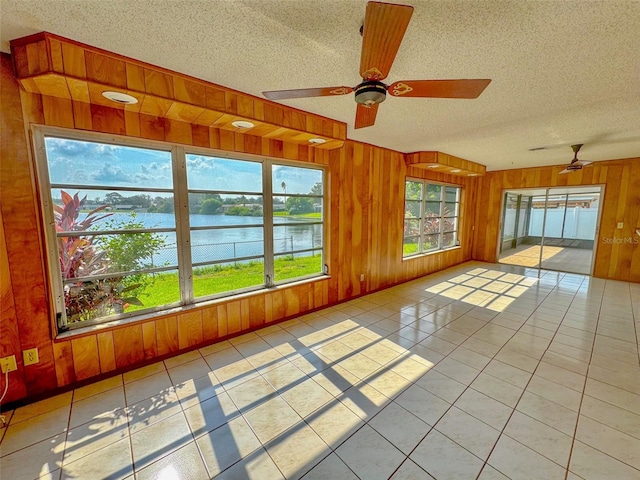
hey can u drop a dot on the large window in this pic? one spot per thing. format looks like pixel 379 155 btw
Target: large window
pixel 431 217
pixel 137 227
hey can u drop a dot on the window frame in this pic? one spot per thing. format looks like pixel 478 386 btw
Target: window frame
pixel 180 192
pixel 424 183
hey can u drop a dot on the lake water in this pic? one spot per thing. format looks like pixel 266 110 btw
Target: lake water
pixel 226 243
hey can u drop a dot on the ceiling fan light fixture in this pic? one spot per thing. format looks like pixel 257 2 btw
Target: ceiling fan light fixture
pixel 371 93
pixel 433 165
pixel 317 141
pixel 120 97
pixel 242 124
pixel 456 170
pixel 472 174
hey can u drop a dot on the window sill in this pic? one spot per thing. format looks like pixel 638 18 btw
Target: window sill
pixel 93 329
pixel 427 254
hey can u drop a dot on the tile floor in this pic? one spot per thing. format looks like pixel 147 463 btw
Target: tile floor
pixel 478 372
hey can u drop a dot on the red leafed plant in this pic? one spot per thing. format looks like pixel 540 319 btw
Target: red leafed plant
pixel 79 257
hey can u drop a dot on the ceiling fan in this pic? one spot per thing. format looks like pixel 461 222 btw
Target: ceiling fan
pixel 575 163
pixel 382 32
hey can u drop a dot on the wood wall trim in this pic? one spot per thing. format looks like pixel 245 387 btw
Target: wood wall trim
pixel 55 66
pixel 443 162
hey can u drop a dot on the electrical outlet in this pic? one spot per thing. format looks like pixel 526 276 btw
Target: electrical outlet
pixel 8 364
pixel 362 277
pixel 30 356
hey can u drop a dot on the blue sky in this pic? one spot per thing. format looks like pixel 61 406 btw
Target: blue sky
pixel 78 162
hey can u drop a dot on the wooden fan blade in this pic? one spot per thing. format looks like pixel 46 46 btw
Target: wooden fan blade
pixel 366 116
pixel 566 170
pixel 384 27
pixel 438 88
pixel 307 92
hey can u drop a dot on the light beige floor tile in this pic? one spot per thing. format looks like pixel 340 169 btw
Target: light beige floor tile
pixel 562 376
pixel 189 370
pixel 422 404
pixel 441 386
pixel 470 358
pixel 184 463
pixel 567 363
pixel 517 360
pixel 484 408
pixel 439 345
pixel 97 387
pixel 39 460
pixel 160 439
pixel 359 365
pixel 198 390
pixel 267 360
pixel 626 380
pixel 610 415
pixel 235 373
pixel 142 372
pixel 311 363
pixel 108 404
pixel 187 357
pixel 364 400
pixel 284 376
pixel 256 466
pixel 380 353
pixel 548 412
pixel 507 373
pixel 370 455
pixel 335 380
pixel 223 358
pixel 307 397
pixel 43 406
pixel 407 367
pixel 401 428
pixel 298 452
pixel 490 473
pixel 457 370
pixel 545 440
pixel 469 432
pixel 112 462
pixel 444 459
pixel 614 443
pixel 518 462
pixel 224 446
pixel 157 385
pixel 497 389
pixel 388 383
pixel 450 336
pixel 334 423
pixel 555 392
pixel 592 464
pixel 214 348
pixel 271 418
pixel 94 435
pixel 35 429
pixel 210 414
pixel 152 410
pixel 251 393
pixel 614 395
pixel 410 471
pixel 478 346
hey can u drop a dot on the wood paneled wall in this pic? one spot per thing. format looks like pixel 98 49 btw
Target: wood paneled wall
pixel 366 185
pixel 617 253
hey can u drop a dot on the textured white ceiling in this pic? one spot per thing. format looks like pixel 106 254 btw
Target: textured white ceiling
pixel 563 72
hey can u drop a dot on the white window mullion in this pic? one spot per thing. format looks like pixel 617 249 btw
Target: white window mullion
pixel 183 234
pixel 267 212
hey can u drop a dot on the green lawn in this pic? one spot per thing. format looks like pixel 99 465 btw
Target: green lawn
pixel 225 278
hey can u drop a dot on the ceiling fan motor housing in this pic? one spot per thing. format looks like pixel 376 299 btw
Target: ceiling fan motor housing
pixel 370 92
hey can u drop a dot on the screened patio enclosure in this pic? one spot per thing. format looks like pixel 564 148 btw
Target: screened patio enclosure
pixel 553 229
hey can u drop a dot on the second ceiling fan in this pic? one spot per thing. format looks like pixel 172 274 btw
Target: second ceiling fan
pixel 383 30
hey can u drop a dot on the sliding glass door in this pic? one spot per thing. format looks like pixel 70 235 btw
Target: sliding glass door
pixel 553 229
